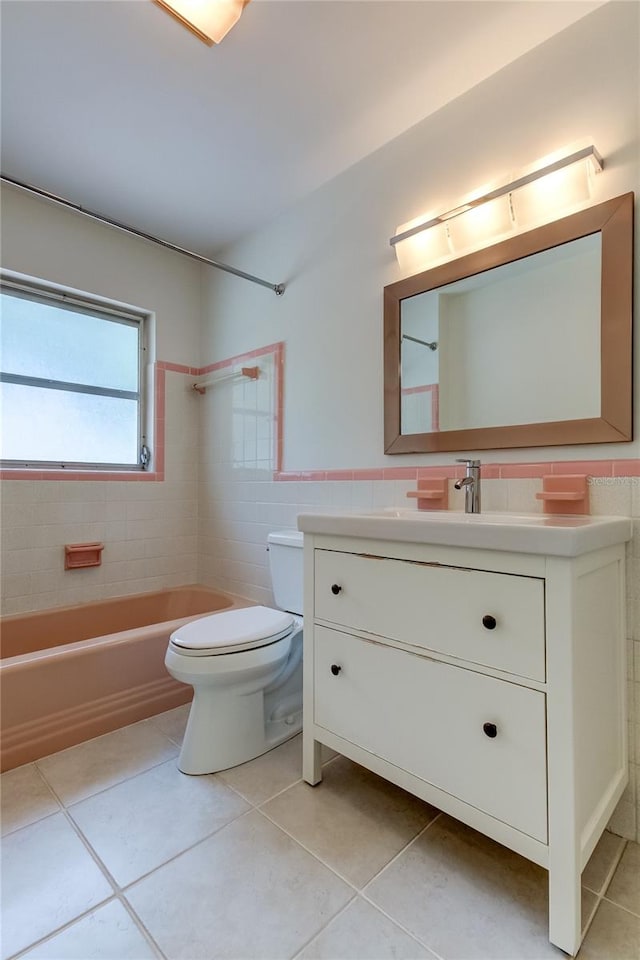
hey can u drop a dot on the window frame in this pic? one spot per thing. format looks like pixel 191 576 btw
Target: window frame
pixel 111 311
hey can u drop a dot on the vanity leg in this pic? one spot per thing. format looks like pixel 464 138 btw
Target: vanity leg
pixel 311 760
pixel 565 910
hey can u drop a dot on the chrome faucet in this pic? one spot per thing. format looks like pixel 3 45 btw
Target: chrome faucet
pixel 471 484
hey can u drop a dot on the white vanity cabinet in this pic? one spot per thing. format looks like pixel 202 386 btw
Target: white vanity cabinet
pixel 489 683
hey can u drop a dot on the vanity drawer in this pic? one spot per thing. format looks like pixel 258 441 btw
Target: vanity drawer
pixel 492 619
pixel 428 718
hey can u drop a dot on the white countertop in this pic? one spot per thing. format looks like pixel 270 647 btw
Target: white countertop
pixel 564 536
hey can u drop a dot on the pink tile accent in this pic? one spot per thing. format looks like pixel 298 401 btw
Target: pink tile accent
pixel 592 468
pixel 626 468
pixel 422 388
pixel 490 471
pixel 448 470
pixel 174 367
pixel 9 474
pixel 567 494
pixel 514 471
pixel 249 355
pixel 288 476
pixel 160 393
pixel 339 474
pixel 313 475
pixel 435 407
pixel 368 474
pixel 400 473
pixel 279 412
pixel 211 367
pixel 432 493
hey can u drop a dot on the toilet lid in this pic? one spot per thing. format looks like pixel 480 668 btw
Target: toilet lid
pixel 233 631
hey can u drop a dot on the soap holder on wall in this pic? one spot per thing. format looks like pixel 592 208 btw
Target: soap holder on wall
pixel 77 555
pixel 564 494
pixel 432 493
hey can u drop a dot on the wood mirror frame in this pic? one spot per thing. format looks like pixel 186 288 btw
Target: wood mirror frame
pixel 613 219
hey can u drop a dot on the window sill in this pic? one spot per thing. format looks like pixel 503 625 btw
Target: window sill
pixel 10 473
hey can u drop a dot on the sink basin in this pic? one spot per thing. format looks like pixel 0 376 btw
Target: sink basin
pixel 564 536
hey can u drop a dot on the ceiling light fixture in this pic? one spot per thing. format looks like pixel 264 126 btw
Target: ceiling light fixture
pixel 559 180
pixel 210 20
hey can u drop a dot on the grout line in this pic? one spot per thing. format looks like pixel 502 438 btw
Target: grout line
pixel 132 776
pixel 400 852
pixel 45 815
pixel 138 922
pixel 58 930
pixel 621 907
pixel 359 891
pixel 188 849
pixel 410 933
pixel 323 928
pixel 603 888
pixel 316 856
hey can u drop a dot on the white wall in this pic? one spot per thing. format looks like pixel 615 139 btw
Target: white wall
pixel 49 242
pixel 332 248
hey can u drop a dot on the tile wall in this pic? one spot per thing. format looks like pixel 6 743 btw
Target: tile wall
pixel 149 529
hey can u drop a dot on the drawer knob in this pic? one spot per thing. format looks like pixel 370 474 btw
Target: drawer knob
pixel 489 622
pixel 335 669
pixel 490 729
pixel 335 589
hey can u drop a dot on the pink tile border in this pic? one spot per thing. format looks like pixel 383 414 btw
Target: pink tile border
pixel 490 471
pixel 593 468
pixel 626 468
pixel 512 471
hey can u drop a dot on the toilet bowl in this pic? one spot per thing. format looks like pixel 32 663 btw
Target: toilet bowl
pixel 245 667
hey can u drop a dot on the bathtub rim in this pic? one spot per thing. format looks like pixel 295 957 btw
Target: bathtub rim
pixel 80 647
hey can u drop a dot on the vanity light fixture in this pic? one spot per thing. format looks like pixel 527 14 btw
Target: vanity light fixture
pixel 210 20
pixel 530 198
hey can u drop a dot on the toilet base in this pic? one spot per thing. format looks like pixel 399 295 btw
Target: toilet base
pixel 205 752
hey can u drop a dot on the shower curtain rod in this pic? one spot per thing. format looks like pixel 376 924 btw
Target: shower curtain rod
pixel 433 344
pixel 278 288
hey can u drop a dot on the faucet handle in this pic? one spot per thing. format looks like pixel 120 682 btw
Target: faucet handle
pixel 469 463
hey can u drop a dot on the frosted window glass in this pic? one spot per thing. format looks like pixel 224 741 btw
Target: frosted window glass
pixel 56 343
pixel 64 427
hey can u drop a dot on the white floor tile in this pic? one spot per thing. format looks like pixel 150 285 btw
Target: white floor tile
pixel 25 798
pixel 466 896
pixel 48 879
pixel 354 820
pixel 145 821
pixel 109 933
pixel 247 892
pixel 89 767
pixel 362 931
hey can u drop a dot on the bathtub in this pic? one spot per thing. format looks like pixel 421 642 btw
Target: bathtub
pixel 73 673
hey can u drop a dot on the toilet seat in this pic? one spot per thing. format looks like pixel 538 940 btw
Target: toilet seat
pixel 232 632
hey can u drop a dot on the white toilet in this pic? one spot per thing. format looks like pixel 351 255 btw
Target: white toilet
pixel 245 667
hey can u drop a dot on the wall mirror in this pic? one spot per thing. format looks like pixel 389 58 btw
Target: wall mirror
pixel 525 343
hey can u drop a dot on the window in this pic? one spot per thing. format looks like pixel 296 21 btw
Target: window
pixel 70 381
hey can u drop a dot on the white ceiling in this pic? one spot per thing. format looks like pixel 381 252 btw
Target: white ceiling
pixel 115 106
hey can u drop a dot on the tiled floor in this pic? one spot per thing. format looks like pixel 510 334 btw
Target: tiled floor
pixel 109 853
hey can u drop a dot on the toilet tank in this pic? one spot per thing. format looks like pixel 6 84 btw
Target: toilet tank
pixel 286 567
